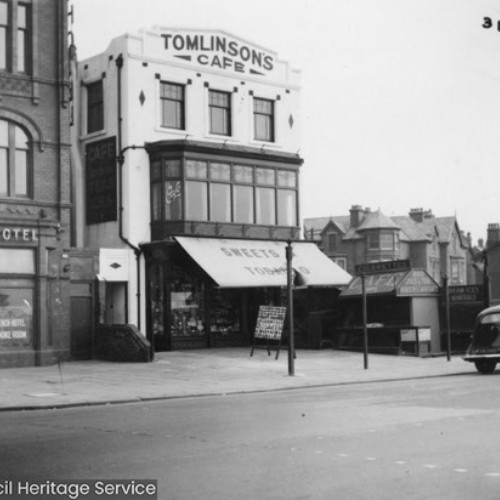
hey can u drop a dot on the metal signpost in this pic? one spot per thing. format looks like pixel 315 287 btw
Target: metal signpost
pixel 289 285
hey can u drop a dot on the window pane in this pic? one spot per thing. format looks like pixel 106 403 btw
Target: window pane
pixel 4 13
pixel 173 200
pixel 219 121
pixel 17 260
pixel 155 171
pixel 21 16
pixel 287 207
pixel 220 202
pixel 263 128
pixel 16 317
pixel 286 178
pixel 220 172
pixel 265 176
pixel 4 133
pixel 173 168
pixel 243 204
pixel 21 174
pixel 4 173
pixel 3 48
pixel 172 114
pixel 196 201
pixel 243 174
pixel 196 169
pixel 156 201
pixel 95 108
pixel 21 51
pixel 21 138
pixel 265 209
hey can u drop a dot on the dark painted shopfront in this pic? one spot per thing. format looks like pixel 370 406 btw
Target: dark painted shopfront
pixel 206 292
pixel 34 291
pixel 402 307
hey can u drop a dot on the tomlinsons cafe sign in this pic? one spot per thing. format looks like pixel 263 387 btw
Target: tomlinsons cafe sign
pixel 219 51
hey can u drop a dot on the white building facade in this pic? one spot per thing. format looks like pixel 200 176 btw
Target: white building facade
pixel 189 143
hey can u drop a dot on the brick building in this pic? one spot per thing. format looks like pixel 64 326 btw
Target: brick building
pixel 434 244
pixel 34 182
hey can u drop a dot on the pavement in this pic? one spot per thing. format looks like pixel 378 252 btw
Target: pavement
pixel 196 373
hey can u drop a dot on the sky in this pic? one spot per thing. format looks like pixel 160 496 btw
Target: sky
pixel 400 99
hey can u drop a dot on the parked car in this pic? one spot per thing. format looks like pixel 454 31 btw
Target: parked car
pixel 484 350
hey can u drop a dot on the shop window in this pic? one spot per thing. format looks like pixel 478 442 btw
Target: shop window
pixel 15 161
pixel 95 107
pixel 263 116
pixel 16 314
pixel 15 36
pixel 220 112
pixel 16 297
pixel 172 105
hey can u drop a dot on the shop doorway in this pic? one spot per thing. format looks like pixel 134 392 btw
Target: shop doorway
pixel 115 303
pixel 82 321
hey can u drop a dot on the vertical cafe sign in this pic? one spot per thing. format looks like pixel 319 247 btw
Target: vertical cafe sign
pixel 101 198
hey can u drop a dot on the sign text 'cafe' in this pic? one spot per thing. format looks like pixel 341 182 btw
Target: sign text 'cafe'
pixel 17 234
pixel 219 51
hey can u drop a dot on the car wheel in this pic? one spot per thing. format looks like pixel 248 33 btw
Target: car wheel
pixel 485 366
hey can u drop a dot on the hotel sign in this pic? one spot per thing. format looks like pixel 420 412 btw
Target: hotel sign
pixel 17 234
pixel 219 52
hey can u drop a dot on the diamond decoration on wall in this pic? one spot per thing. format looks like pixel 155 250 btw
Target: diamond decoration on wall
pixel 142 98
pixel 290 121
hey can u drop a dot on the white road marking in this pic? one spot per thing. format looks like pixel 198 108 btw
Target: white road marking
pixel 460 470
pixel 493 474
pixel 400 462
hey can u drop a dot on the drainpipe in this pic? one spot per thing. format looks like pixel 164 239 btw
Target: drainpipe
pixel 121 161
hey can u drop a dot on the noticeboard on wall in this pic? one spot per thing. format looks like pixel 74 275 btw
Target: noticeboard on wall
pixel 270 322
pixel 101 183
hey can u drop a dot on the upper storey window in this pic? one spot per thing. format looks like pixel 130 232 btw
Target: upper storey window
pixel 220 112
pixel 172 105
pixel 263 118
pixel 15 161
pixel 95 107
pixel 15 37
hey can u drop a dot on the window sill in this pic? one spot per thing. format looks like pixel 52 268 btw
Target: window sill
pixel 92 135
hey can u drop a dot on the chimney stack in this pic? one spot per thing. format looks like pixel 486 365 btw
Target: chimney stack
pixel 417 214
pixel 356 212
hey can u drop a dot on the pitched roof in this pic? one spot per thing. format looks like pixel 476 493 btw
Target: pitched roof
pixel 377 220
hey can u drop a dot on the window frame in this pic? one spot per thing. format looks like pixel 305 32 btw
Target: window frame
pixel 13 30
pixel 95 107
pixel 269 133
pixel 12 162
pixel 226 111
pixel 237 174
pixel 181 104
